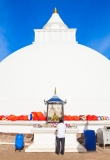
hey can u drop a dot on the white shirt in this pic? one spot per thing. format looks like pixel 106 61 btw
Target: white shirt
pixel 61 128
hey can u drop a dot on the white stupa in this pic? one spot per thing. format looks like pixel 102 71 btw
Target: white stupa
pixel 55 59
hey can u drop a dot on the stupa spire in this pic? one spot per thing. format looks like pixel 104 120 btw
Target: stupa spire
pixel 55 10
pixel 55 91
pixel 55 22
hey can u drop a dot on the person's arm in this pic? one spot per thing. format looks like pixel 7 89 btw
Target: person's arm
pixel 65 128
pixel 57 128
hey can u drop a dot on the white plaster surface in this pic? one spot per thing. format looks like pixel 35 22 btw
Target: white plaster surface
pixel 80 74
pixel 45 141
pixel 26 126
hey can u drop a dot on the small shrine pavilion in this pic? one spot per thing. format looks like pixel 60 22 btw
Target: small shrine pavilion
pixel 55 108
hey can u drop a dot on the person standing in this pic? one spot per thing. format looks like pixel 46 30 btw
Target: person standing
pixel 60 138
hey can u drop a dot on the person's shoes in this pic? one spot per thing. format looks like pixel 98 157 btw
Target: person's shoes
pixel 62 153
pixel 57 153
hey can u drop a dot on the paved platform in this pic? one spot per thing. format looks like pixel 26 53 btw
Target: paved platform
pixel 8 152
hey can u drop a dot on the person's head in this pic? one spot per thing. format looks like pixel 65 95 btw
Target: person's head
pixel 60 120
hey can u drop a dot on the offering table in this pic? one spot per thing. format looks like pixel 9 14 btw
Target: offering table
pixel 45 140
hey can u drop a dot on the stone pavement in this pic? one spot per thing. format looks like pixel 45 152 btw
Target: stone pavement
pixel 7 152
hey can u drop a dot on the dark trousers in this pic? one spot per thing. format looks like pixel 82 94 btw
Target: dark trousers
pixel 60 145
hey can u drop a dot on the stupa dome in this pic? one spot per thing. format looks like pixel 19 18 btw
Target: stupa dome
pixel 55 59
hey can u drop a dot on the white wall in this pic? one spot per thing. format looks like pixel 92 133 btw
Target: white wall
pixel 25 127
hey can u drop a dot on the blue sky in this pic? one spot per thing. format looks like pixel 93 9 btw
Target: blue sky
pixel 19 18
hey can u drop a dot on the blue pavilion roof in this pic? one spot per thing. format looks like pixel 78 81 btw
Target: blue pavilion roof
pixel 55 99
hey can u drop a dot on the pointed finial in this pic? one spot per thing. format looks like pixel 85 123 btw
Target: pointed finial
pixel 55 91
pixel 55 10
